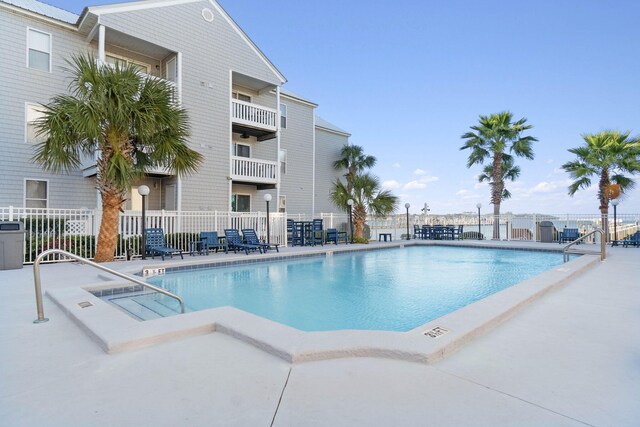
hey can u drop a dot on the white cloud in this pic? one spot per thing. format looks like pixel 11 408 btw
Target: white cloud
pixel 396 165
pixel 462 192
pixel 427 179
pixel 391 185
pixel 414 185
pixel 419 172
pixel 479 185
pixel 549 161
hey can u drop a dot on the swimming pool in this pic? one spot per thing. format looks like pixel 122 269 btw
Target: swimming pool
pixel 393 290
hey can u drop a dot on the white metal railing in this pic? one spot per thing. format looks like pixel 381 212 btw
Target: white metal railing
pixel 254 115
pixel 253 170
pixel 76 230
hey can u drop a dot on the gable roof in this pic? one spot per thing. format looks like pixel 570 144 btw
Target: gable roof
pixel 323 124
pixel 45 10
pixel 150 4
pixel 67 17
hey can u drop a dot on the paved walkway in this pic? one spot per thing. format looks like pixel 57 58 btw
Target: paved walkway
pixel 570 359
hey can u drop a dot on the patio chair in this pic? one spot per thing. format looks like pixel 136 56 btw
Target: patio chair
pixel 251 238
pixel 210 240
pixel 633 240
pixel 317 232
pixel 289 231
pixel 457 232
pixel 417 231
pixel 297 233
pixel 155 245
pixel 568 235
pixel 234 241
pixel 336 236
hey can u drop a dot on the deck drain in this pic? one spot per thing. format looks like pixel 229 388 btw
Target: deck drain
pixel 436 332
pixel 85 304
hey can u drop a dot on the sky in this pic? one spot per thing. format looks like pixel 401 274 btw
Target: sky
pixel 408 78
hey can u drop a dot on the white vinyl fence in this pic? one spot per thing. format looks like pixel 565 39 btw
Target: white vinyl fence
pixel 76 230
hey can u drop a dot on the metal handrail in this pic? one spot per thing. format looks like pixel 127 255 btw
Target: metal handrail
pixel 603 244
pixel 36 279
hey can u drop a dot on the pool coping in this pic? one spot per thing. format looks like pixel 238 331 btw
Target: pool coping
pixel 115 331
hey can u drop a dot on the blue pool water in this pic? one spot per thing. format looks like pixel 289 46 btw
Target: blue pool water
pixel 393 290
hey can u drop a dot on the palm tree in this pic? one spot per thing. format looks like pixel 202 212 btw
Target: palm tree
pixel 130 119
pixel 606 155
pixel 367 198
pixel 497 139
pixel 354 161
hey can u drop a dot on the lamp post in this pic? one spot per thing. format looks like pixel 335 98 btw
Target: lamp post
pixel 479 205
pixel 267 198
pixel 350 204
pixel 615 223
pixel 143 190
pixel 407 206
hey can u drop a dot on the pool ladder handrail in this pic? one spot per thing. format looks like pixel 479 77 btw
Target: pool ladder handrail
pixel 603 246
pixel 38 286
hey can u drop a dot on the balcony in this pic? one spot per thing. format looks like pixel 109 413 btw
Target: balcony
pixel 89 168
pixel 254 171
pixel 254 120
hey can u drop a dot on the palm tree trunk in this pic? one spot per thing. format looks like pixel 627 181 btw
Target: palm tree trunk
pixel 604 202
pixel 497 187
pixel 108 235
pixel 496 221
pixel 359 220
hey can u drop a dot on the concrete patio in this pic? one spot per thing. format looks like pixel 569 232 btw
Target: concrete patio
pixel 570 358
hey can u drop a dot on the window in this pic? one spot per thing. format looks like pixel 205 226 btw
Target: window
pixel 240 203
pixel 32 114
pixel 283 162
pixel 282 204
pixel 36 193
pixel 240 96
pixel 38 50
pixel 283 116
pixel 241 150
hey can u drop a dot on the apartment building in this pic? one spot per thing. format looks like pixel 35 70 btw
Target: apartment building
pixel 256 137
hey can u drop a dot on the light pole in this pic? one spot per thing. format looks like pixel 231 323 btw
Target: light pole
pixel 479 205
pixel 615 223
pixel 407 206
pixel 143 190
pixel 350 204
pixel 267 198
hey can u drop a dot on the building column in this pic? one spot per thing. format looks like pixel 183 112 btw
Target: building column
pixel 278 121
pixel 101 44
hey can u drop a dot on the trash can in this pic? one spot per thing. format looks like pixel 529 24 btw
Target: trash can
pixel 11 245
pixel 546 231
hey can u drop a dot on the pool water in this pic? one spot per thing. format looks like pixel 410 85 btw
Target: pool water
pixel 393 290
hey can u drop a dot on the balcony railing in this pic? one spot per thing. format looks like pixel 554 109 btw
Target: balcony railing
pixel 257 116
pixel 88 166
pixel 253 170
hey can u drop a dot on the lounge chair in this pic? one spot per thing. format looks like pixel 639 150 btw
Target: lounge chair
pixel 336 236
pixel 633 240
pixel 251 238
pixel 155 244
pixel 568 235
pixel 234 241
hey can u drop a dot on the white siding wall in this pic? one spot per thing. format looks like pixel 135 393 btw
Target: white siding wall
pixel 328 146
pixel 19 84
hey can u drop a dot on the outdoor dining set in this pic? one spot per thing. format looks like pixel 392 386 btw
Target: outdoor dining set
pixel 311 233
pixel 438 232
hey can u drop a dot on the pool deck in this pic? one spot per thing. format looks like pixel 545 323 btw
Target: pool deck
pixel 571 358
